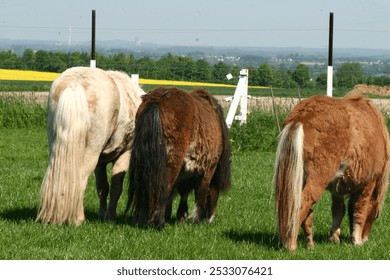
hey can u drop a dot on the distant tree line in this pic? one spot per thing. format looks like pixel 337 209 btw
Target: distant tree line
pixel 177 67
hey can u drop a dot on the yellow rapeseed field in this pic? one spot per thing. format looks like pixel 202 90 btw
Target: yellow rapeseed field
pixel 22 75
pixel 180 83
pixel 26 75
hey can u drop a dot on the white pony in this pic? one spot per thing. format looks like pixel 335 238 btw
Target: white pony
pixel 90 123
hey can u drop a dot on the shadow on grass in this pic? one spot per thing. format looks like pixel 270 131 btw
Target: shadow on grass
pixel 30 214
pixel 271 240
pixel 127 220
pixel 19 214
pixel 264 239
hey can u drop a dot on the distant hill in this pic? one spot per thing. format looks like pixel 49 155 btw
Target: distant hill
pixel 373 61
pixel 18 46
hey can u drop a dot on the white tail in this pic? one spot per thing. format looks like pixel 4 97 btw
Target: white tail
pixel 288 180
pixel 62 190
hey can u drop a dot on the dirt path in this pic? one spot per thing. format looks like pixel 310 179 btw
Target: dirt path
pixel 261 103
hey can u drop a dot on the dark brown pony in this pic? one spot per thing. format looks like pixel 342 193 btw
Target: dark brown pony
pixel 180 143
pixel 337 144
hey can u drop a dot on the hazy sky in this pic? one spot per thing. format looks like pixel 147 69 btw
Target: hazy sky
pixel 258 23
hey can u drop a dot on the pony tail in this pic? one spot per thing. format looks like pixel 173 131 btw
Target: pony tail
pixel 288 183
pixel 382 185
pixel 148 162
pixel 62 192
pixel 222 175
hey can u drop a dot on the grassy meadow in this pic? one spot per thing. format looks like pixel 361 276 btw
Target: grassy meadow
pixel 19 81
pixel 244 228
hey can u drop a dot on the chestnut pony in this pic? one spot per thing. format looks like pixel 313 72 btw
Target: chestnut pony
pixel 90 123
pixel 337 144
pixel 180 143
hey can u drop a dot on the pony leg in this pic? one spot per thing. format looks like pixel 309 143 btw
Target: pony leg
pixel 360 211
pixel 307 227
pixel 369 221
pixel 374 207
pixel 168 208
pixel 306 221
pixel 373 213
pixel 182 210
pixel 90 162
pixel 102 188
pixel 119 168
pixel 376 203
pixel 202 202
pixel 162 209
pixel 351 202
pixel 169 205
pixel 184 189
pixel 211 206
pixel 309 197
pixel 115 193
pixel 338 212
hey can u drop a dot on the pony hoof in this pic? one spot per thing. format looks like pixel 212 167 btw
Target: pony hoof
pixel 78 222
pixel 334 239
pixel 211 219
pixel 357 243
pixel 107 216
pixel 110 216
pixel 291 248
pixel 310 246
pixel 182 218
pixel 194 220
pixel 159 227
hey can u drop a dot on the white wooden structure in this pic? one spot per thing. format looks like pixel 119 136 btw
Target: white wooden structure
pixel 240 97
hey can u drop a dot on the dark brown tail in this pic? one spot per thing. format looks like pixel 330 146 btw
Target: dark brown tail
pixel 147 168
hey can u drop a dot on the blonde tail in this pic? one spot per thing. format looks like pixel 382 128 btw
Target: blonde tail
pixel 62 190
pixel 288 183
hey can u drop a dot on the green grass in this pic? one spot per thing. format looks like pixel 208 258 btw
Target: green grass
pixel 19 86
pixel 18 113
pixel 244 227
pixel 278 92
pixel 24 85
